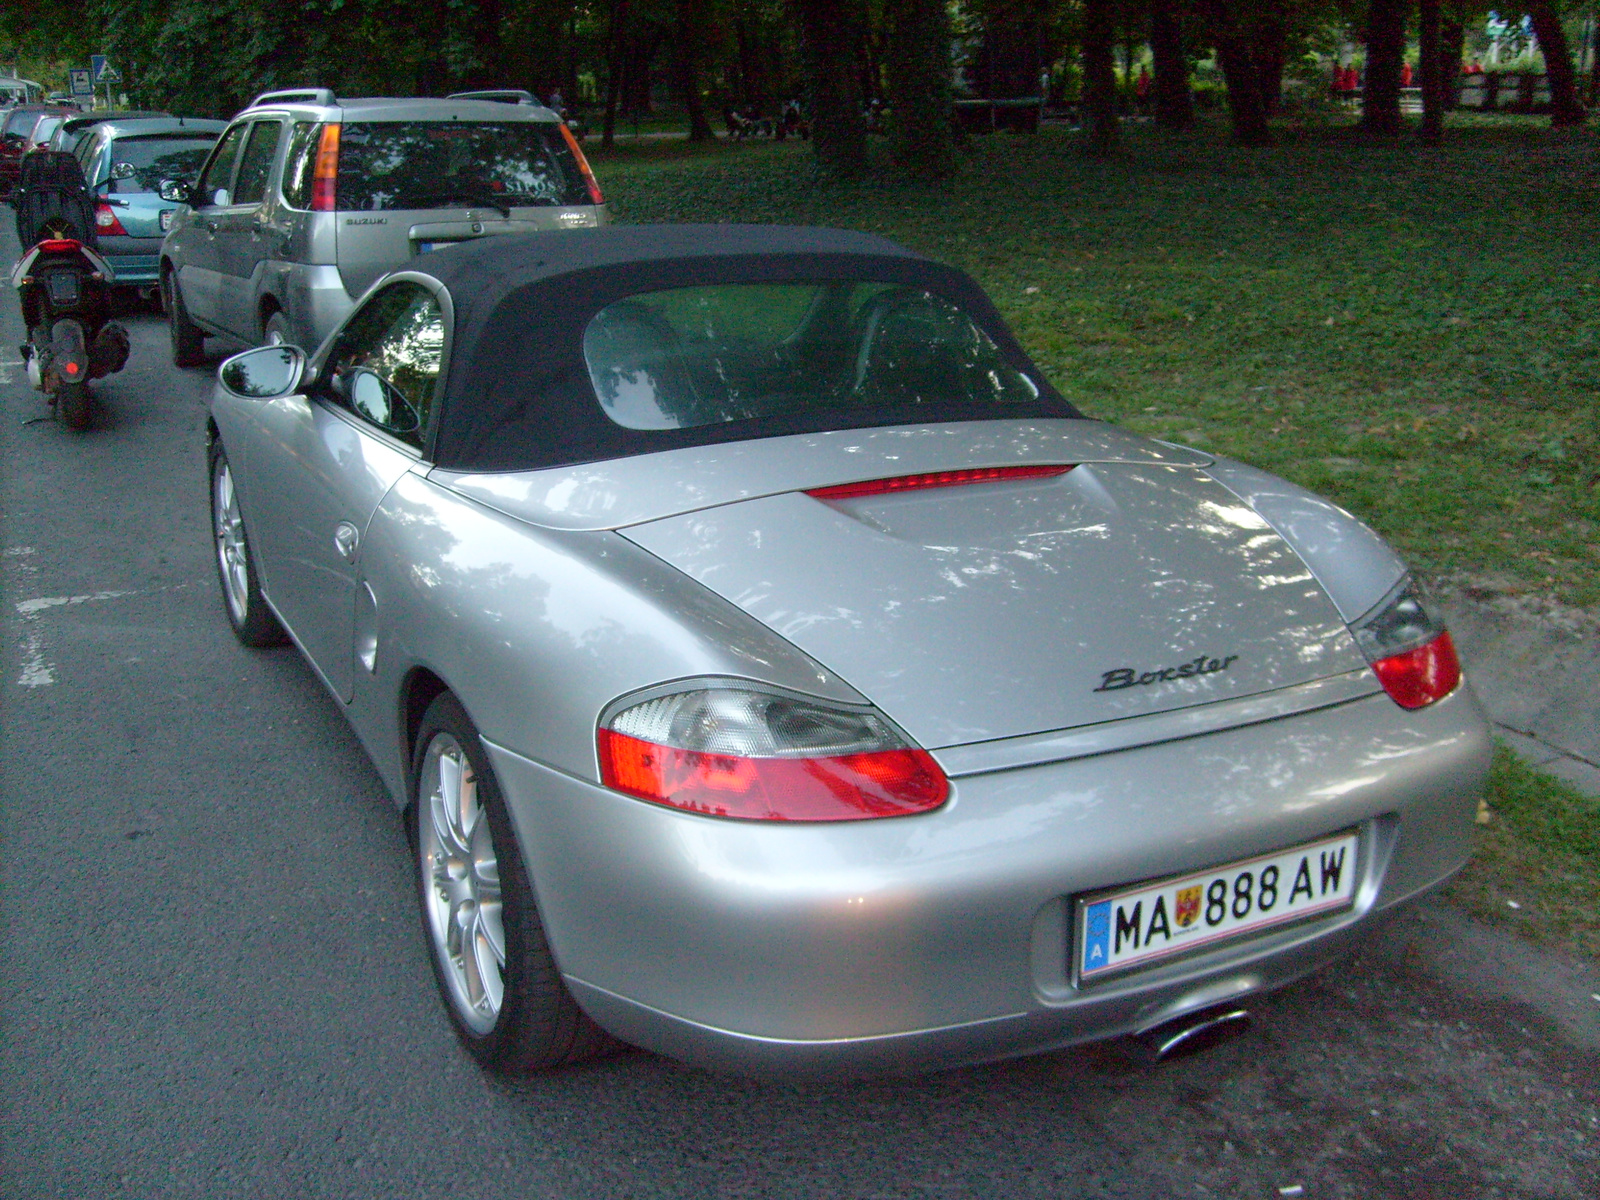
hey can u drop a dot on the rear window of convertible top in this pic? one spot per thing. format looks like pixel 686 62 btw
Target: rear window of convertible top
pixel 690 357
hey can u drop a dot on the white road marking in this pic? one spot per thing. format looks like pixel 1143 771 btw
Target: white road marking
pixel 37 670
pixel 6 364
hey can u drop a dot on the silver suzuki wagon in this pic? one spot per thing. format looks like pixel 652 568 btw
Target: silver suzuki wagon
pixel 307 199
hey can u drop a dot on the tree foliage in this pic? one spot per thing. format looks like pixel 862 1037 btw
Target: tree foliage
pixel 742 59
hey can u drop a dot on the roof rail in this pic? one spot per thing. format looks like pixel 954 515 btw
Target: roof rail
pixel 311 95
pixel 500 95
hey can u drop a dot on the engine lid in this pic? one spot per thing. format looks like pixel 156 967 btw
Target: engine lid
pixel 993 610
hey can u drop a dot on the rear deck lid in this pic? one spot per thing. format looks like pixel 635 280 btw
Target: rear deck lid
pixel 994 610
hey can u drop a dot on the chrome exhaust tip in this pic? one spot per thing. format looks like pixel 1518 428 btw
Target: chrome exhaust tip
pixel 1193 1033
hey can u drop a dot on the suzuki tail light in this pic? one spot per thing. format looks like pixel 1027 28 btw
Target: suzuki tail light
pixel 106 221
pixel 325 173
pixel 934 479
pixel 738 751
pixel 1409 648
pixel 589 181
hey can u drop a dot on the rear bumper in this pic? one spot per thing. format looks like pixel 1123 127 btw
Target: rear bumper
pixel 931 941
pixel 139 270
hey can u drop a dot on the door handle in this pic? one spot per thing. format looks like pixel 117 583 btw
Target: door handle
pixel 346 540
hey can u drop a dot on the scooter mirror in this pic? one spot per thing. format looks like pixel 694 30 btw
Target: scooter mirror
pixel 264 373
pixel 174 190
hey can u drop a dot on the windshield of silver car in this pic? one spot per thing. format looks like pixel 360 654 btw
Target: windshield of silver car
pixel 388 165
pixel 695 356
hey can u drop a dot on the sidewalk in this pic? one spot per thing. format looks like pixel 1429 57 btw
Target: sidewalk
pixel 1536 666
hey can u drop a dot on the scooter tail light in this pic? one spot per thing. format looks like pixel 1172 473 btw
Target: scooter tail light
pixel 106 221
pixel 1410 650
pixel 741 752
pixel 589 181
pixel 934 479
pixel 59 245
pixel 325 173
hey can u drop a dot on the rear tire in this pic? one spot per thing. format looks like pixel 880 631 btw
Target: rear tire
pixel 74 404
pixel 276 331
pixel 188 339
pixel 495 971
pixel 248 614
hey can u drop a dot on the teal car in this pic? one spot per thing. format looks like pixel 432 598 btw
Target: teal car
pixel 125 163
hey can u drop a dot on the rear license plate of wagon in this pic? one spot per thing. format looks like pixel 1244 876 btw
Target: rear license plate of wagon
pixel 1128 928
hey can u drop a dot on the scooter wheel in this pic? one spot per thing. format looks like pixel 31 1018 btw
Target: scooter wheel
pixel 73 402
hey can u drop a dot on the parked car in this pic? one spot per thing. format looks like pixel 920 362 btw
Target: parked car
pixel 778 673
pixel 309 199
pixel 15 128
pixel 69 135
pixel 125 163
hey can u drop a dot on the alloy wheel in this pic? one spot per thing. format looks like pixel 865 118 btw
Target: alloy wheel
pixel 461 885
pixel 233 555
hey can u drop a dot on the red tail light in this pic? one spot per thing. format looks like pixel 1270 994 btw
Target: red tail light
pixel 106 221
pixel 1416 678
pixel 1409 648
pixel 848 787
pixel 583 166
pixel 59 245
pixel 730 751
pixel 934 479
pixel 325 174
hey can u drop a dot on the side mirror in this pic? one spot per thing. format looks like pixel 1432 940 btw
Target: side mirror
pixel 265 373
pixel 123 170
pixel 174 190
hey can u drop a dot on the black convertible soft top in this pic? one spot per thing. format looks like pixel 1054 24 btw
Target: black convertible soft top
pixel 517 395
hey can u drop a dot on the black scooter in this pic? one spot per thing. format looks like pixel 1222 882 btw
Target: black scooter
pixel 64 286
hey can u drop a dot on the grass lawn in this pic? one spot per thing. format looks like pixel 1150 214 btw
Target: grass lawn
pixel 1412 332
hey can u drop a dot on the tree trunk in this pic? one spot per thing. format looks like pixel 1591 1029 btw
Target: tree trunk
pixel 1386 47
pixel 1452 45
pixel 1433 72
pixel 918 78
pixel 1247 111
pixel 616 45
pixel 1099 79
pixel 827 33
pixel 1174 96
pixel 1565 107
pixel 687 39
pixel 1268 50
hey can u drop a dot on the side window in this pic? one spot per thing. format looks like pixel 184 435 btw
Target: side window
pixel 255 164
pixel 384 367
pixel 300 163
pixel 87 149
pixel 219 173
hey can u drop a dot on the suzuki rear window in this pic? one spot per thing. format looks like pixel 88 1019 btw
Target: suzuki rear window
pixel 139 164
pixel 455 164
pixel 689 357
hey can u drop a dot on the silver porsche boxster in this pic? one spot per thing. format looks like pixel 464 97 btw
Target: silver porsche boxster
pixel 779 674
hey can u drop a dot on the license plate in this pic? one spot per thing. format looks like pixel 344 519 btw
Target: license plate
pixel 166 218
pixel 1134 927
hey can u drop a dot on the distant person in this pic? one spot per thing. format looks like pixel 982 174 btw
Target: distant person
pixel 1141 90
pixel 1405 75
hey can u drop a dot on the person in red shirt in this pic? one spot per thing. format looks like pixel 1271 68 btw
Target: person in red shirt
pixel 1405 75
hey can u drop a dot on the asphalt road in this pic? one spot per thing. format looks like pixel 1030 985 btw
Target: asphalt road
pixel 214 983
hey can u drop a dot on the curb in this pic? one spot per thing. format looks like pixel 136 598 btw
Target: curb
pixel 1535 664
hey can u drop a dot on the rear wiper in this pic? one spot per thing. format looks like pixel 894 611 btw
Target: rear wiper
pixel 483 199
